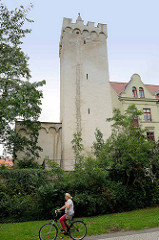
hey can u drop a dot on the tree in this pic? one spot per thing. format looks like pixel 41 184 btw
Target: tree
pixel 20 99
pixel 128 148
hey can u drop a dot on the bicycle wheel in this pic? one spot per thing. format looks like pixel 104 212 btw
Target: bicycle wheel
pixel 48 232
pixel 78 230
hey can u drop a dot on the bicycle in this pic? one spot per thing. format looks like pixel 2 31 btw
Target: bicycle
pixel 49 231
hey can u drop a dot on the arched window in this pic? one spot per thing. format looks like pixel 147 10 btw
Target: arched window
pixel 134 91
pixel 141 92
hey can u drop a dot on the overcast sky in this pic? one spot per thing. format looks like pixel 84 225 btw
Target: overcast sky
pixel 133 40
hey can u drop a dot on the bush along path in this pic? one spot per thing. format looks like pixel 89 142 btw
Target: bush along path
pixel 122 174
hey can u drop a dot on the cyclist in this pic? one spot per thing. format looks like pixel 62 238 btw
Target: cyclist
pixel 69 212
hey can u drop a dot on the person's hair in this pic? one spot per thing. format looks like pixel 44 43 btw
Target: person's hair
pixel 68 195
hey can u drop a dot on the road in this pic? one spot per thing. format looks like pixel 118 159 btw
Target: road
pixel 150 234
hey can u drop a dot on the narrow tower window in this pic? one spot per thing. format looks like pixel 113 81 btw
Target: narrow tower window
pixel 87 76
pixel 89 111
pixel 84 41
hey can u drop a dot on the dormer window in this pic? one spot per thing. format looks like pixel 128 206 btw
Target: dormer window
pixel 134 91
pixel 157 93
pixel 141 92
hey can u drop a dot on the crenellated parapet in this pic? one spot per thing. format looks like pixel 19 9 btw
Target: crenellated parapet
pixel 79 29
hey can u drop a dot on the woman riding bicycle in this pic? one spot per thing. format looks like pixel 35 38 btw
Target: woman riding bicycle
pixel 69 212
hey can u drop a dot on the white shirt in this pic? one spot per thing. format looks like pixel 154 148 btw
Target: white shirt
pixel 70 210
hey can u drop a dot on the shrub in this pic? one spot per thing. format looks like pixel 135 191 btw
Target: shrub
pixel 27 162
pixel 18 194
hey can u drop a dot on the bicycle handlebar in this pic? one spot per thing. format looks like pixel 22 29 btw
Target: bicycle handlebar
pixel 56 211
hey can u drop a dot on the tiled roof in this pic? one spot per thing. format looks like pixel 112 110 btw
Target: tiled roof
pixel 119 87
pixel 153 89
pixel 6 161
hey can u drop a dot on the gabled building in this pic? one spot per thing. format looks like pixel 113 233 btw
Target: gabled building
pixel 144 96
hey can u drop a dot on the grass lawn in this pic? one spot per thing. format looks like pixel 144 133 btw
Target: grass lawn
pixel 135 220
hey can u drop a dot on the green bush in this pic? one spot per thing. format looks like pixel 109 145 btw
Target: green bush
pixel 50 197
pixel 122 175
pixel 19 208
pixel 33 194
pixel 23 181
pixel 27 163
pixel 18 194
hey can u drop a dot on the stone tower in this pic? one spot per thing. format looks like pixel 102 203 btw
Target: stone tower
pixel 84 84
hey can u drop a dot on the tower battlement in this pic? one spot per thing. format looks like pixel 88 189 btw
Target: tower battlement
pixel 90 26
pixel 87 31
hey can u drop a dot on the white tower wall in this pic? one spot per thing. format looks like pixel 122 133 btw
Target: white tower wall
pixel 85 90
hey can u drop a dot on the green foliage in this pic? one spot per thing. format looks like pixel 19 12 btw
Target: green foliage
pixel 128 148
pixel 78 148
pixel 18 194
pixel 123 175
pixel 54 170
pixel 50 197
pixel 20 100
pixel 89 186
pixel 27 162
pixel 99 144
pixel 22 181
pixel 128 120
pixel 131 161
pixel 19 208
pixel 155 160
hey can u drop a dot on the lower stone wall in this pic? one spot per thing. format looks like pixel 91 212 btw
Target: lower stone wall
pixel 50 139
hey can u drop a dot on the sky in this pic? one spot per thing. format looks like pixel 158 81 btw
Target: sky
pixel 133 41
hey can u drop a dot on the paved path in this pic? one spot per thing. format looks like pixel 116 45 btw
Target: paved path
pixel 150 234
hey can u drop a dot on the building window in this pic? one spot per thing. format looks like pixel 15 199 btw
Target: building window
pixel 134 91
pixel 87 76
pixel 84 41
pixel 147 115
pixel 141 92
pixel 89 111
pixel 150 135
